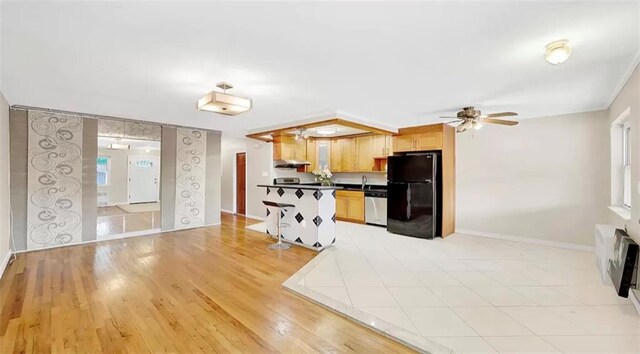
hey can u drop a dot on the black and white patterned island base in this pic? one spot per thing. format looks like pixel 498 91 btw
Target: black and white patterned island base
pixel 312 223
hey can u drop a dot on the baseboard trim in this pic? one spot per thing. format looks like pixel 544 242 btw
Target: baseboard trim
pixel 256 217
pixel 5 262
pixel 153 232
pixel 567 245
pixel 227 211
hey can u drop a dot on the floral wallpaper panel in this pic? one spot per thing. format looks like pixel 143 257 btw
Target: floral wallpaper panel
pixel 191 148
pixel 54 174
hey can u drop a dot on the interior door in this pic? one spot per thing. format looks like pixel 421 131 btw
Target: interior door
pixel 144 178
pixel 241 183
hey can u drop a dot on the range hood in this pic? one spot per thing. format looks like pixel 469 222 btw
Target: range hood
pixel 289 163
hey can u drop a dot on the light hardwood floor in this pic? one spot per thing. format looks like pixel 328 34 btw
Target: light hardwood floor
pixel 215 289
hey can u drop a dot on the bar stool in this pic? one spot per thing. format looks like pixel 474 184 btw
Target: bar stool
pixel 279 207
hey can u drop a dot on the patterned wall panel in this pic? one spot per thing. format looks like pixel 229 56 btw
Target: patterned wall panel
pixel 191 146
pixel 54 209
pixel 126 129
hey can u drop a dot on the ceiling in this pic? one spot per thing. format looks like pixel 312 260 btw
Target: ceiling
pixel 398 64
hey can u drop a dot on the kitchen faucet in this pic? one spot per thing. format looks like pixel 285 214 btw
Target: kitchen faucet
pixel 364 181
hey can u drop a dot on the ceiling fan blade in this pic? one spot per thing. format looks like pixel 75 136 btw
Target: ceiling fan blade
pixel 501 114
pixel 499 121
pixel 444 117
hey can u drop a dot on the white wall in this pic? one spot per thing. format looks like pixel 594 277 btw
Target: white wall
pixel 629 98
pixel 547 178
pixel 4 182
pixel 259 171
pixel 230 147
pixel 117 188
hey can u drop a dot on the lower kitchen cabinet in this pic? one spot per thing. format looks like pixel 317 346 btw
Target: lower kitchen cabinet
pixel 350 206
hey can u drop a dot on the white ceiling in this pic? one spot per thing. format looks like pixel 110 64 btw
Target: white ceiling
pixel 394 63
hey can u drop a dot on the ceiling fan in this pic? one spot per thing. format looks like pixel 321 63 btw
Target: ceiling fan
pixel 469 117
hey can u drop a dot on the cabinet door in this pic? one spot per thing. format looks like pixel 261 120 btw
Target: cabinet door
pixel 342 207
pixel 348 152
pixel 300 150
pixel 378 146
pixel 388 140
pixel 336 156
pixel 356 208
pixel 428 141
pixel 403 142
pixel 364 151
pixel 323 154
pixel 312 155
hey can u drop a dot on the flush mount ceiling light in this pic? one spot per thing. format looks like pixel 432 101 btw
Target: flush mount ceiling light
pixel 326 131
pixel 223 103
pixel 557 52
pixel 118 147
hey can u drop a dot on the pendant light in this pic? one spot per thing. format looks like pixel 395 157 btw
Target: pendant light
pixel 224 103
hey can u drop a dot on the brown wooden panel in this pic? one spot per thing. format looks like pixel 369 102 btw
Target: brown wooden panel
pixel 241 183
pixel 448 181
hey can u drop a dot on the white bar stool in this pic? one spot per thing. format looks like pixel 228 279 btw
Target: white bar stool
pixel 280 207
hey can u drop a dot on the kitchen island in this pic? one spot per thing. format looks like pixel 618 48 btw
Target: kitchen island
pixel 312 222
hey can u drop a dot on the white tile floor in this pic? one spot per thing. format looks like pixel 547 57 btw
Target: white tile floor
pixel 470 294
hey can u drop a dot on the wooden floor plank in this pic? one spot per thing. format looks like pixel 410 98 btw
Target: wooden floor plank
pixel 215 289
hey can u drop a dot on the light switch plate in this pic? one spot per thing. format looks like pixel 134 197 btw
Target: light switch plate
pixel 265 174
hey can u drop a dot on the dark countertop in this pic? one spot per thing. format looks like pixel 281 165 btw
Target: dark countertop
pixel 300 186
pixel 367 187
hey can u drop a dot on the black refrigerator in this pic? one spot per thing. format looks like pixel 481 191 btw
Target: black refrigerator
pixel 412 195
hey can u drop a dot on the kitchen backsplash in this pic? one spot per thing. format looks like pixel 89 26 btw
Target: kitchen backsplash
pixel 338 177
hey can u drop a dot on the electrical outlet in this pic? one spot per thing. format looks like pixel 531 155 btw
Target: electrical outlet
pixel 303 224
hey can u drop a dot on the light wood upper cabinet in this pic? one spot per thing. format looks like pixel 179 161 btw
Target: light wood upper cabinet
pixel 418 142
pixel 343 155
pixel 312 155
pixel 404 142
pixel 336 156
pixel 286 147
pixel 369 147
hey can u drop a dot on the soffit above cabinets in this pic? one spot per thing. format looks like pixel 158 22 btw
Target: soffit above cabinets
pixel 312 128
pixel 324 131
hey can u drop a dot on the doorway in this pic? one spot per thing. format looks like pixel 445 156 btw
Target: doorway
pixel 144 174
pixel 128 180
pixel 241 183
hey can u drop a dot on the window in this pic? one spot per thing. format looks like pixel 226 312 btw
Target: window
pixel 626 163
pixel 103 172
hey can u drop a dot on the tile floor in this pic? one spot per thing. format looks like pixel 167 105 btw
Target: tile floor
pixel 470 294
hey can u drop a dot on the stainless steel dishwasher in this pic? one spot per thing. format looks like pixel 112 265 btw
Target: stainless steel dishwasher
pixel 375 207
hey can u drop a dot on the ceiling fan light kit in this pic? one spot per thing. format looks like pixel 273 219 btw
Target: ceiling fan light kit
pixel 557 52
pixel 469 117
pixel 224 103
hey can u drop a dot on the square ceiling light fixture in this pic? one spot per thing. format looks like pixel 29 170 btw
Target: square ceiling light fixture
pixel 223 103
